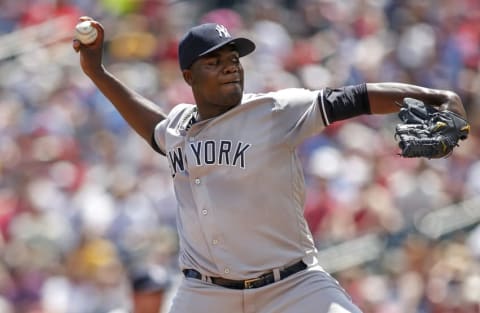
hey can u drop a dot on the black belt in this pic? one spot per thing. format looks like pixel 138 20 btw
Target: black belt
pixel 257 282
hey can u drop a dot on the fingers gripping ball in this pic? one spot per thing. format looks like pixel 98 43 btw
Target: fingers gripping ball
pixel 85 32
pixel 427 132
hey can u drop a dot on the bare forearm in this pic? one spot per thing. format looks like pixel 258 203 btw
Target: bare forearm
pixel 140 113
pixel 384 96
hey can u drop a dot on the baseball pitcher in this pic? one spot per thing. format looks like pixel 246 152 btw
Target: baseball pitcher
pixel 245 246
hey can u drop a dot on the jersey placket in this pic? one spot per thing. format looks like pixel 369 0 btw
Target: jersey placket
pixel 205 208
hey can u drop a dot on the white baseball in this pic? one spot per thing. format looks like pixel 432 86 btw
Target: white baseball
pixel 85 32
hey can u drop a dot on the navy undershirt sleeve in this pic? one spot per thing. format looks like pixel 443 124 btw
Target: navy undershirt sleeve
pixel 342 103
pixel 154 145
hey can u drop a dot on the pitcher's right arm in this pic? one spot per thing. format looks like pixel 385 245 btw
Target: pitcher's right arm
pixel 140 113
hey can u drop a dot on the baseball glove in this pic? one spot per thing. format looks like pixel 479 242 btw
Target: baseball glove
pixel 428 132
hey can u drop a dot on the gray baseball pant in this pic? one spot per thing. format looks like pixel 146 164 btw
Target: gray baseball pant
pixel 309 291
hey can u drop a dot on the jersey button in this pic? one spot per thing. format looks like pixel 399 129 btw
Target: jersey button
pixel 204 212
pixel 191 139
pixel 226 270
pixel 215 242
pixel 197 181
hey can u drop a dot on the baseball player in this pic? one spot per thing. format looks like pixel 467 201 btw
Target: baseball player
pixel 245 246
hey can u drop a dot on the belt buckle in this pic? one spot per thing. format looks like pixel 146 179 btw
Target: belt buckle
pixel 248 283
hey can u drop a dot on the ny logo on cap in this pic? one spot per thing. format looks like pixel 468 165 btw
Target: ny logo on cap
pixel 222 31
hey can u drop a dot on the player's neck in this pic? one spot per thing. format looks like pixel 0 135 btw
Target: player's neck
pixel 211 112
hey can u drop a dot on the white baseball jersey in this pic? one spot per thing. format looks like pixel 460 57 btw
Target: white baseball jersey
pixel 239 183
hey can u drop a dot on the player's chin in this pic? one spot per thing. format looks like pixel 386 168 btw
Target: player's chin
pixel 232 93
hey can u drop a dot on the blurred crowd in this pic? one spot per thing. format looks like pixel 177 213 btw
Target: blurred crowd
pixel 86 206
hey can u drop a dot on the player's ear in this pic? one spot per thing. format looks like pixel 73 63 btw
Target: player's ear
pixel 187 76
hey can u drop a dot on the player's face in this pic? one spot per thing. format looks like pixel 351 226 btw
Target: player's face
pixel 217 81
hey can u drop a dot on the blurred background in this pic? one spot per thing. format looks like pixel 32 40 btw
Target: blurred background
pixel 87 208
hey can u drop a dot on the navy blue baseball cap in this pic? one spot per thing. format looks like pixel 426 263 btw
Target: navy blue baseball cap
pixel 205 38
